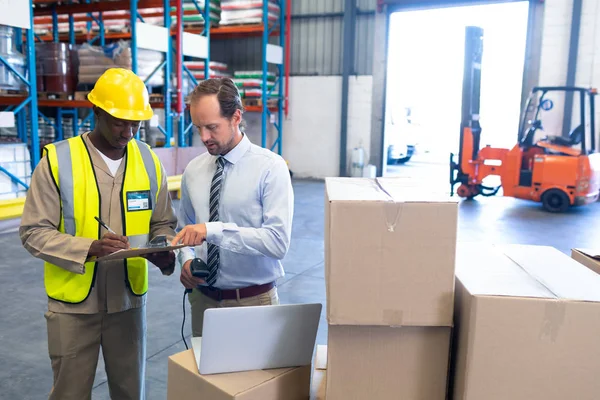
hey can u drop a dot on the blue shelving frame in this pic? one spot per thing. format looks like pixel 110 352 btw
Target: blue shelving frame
pixel 279 78
pixel 30 103
pixel 184 123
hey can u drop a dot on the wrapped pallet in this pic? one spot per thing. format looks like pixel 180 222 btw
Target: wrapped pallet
pixel 239 12
pixel 94 60
pixel 192 17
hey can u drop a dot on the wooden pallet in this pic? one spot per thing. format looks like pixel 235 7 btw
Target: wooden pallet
pixel 13 92
pixel 257 102
pixel 55 96
pixel 156 98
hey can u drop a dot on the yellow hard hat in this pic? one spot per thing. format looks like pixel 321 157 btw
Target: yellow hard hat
pixel 122 94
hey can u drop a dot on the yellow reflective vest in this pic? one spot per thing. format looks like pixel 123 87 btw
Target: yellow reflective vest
pixel 73 173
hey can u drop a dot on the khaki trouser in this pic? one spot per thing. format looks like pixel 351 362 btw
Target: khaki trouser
pixel 200 303
pixel 74 342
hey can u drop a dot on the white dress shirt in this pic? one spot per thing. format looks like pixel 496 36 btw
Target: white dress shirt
pixel 256 207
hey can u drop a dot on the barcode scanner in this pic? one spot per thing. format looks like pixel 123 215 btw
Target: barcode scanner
pixel 199 269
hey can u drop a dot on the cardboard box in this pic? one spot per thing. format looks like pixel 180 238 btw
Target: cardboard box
pixel 389 253
pixel 374 362
pixel 527 325
pixel 589 258
pixel 184 382
pixel 319 378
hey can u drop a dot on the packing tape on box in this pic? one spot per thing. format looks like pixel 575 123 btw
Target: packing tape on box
pixel 554 313
pixel 554 317
pixel 392 209
pixel 394 317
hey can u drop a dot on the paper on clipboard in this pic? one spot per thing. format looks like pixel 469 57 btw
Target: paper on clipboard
pixel 157 245
pixel 136 252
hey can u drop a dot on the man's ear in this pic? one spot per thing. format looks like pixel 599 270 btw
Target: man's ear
pixel 237 117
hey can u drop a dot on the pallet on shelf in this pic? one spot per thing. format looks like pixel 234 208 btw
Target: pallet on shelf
pixel 55 96
pixel 81 95
pixel 13 92
pixel 257 102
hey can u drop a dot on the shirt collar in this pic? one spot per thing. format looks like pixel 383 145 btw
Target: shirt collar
pixel 239 150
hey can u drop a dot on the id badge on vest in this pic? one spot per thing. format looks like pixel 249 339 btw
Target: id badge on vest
pixel 139 201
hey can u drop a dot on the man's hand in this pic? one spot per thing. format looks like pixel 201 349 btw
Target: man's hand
pixel 191 235
pixel 163 260
pixel 108 244
pixel 187 279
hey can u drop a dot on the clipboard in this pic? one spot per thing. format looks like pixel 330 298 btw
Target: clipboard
pixel 157 245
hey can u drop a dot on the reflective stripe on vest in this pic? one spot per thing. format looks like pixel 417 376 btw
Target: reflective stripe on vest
pixel 73 173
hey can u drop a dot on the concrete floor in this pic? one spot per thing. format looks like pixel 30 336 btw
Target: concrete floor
pixel 25 371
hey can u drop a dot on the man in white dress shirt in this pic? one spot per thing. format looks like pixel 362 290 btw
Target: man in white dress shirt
pixel 236 209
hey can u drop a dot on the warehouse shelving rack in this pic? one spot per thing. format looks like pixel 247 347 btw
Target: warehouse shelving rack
pixel 177 122
pixel 25 106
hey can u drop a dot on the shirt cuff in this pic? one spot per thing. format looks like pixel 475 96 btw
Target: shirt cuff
pixel 82 248
pixel 184 255
pixel 214 232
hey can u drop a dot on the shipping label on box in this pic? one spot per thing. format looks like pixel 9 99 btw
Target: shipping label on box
pixel 185 382
pixel 387 363
pixel 389 254
pixel 527 325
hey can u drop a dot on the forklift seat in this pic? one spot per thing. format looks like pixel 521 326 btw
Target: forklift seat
pixel 575 138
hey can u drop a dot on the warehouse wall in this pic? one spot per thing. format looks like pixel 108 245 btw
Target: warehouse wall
pixel 556 32
pixel 311 138
pixel 555 52
pixel 312 131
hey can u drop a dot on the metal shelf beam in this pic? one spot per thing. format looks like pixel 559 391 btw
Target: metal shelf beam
pixel 122 5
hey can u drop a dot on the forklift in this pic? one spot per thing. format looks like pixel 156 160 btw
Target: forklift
pixel 559 171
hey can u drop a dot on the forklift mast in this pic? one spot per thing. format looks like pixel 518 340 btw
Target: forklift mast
pixel 471 93
pixel 470 129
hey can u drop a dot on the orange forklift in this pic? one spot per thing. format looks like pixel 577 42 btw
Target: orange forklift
pixel 558 171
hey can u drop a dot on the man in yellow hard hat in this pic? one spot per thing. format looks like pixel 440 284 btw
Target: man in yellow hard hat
pixel 90 196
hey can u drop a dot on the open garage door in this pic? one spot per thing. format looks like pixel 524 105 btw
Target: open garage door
pixel 425 79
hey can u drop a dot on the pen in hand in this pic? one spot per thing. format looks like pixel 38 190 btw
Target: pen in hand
pixel 105 226
pixel 109 243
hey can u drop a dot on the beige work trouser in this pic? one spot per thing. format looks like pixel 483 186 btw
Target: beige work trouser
pixel 74 342
pixel 200 303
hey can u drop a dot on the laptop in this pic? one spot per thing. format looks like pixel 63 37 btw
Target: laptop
pixel 257 337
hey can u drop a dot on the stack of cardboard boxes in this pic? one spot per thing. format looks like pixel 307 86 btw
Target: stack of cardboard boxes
pixel 390 262
pixel 524 324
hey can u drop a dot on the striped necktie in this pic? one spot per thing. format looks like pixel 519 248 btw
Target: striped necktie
pixel 213 250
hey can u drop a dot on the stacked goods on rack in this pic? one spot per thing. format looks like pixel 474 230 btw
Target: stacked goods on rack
pixel 196 68
pixel 249 84
pixel 42 29
pixel 94 60
pixel 238 12
pixel 192 17
pixel 215 69
pixel 56 69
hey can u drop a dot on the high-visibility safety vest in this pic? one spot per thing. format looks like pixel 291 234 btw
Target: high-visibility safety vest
pixel 71 166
